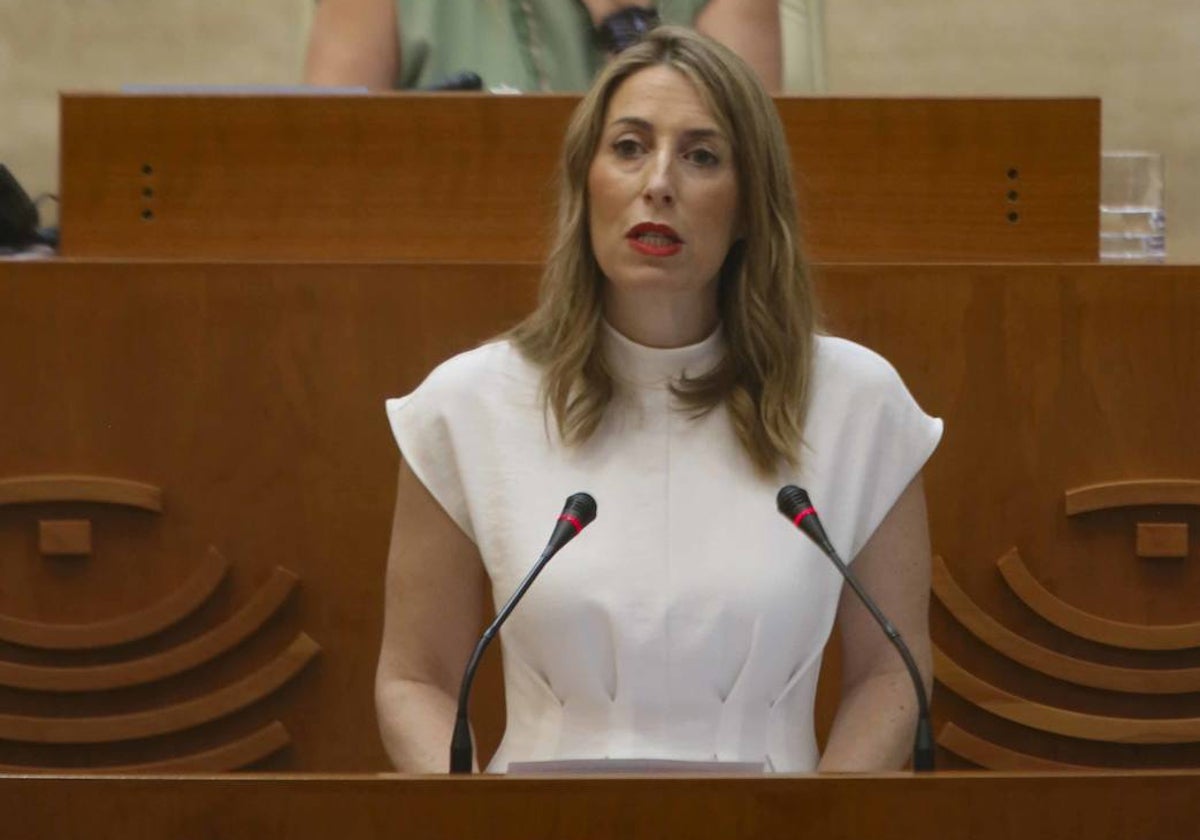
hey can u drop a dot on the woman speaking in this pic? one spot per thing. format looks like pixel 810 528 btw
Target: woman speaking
pixel 674 369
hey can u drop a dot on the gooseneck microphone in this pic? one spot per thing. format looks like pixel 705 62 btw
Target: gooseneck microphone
pixel 796 506
pixel 577 514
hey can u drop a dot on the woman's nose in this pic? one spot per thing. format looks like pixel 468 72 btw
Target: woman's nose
pixel 660 187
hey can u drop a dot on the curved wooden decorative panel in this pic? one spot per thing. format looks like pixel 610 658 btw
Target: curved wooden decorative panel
pixel 992 756
pixel 127 628
pixel 232 756
pixel 29 489
pixel 231 434
pixel 1074 620
pixel 1051 663
pixel 269 598
pixel 1119 494
pixel 175 718
pixel 1061 721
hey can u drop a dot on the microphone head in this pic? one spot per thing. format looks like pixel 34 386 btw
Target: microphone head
pixel 798 508
pixel 577 514
pixel 792 500
pixel 581 507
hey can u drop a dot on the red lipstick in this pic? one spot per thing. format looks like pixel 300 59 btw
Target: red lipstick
pixel 654 240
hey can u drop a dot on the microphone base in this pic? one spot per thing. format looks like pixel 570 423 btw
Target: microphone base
pixel 462 751
pixel 923 749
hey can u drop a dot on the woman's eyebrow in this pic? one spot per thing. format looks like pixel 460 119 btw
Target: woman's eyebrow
pixel 703 134
pixel 689 135
pixel 633 122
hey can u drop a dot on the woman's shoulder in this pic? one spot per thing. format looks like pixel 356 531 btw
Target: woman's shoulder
pixel 850 379
pixel 856 388
pixel 481 365
pixel 848 363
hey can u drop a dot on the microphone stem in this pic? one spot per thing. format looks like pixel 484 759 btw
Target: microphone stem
pixel 923 749
pixel 461 748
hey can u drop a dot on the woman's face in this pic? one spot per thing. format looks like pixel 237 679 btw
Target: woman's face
pixel 662 192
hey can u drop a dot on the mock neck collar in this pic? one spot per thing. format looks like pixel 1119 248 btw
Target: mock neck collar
pixel 645 366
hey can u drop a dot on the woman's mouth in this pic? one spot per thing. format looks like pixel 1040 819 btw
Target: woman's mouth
pixel 654 240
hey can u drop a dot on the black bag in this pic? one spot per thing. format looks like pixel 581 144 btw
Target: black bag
pixel 18 214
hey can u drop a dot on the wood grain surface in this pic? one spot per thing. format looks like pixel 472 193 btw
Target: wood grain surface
pixel 1050 806
pixel 252 393
pixel 127 627
pixel 425 177
pixel 1016 647
pixel 1089 625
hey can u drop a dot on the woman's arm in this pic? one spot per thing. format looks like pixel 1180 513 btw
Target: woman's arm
pixel 751 29
pixel 876 718
pixel 353 43
pixel 433 604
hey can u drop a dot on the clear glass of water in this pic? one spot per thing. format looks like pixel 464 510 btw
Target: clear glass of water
pixel 1133 224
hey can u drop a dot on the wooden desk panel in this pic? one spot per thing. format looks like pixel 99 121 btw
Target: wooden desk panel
pixel 1051 378
pixel 1115 806
pixel 252 394
pixel 424 177
pixel 946 180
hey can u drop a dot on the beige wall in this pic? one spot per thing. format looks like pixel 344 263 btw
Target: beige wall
pixel 52 45
pixel 1143 58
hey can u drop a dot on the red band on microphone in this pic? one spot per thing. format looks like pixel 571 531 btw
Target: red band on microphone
pixel 575 523
pixel 804 514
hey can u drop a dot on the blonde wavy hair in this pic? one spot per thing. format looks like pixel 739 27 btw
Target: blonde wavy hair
pixel 765 297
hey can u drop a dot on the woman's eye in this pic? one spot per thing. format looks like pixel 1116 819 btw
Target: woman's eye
pixel 626 147
pixel 703 157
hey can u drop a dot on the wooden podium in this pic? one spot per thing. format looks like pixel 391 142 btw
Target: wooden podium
pixel 235 305
pixel 252 395
pixel 1101 806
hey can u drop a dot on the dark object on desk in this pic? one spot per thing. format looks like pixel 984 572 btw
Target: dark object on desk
pixel 466 80
pixel 18 215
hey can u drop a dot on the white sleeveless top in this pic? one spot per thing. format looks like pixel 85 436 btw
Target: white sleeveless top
pixel 688 621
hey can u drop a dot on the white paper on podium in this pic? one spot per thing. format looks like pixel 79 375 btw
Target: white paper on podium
pixel 625 766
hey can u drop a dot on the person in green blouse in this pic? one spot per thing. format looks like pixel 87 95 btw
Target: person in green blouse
pixel 516 45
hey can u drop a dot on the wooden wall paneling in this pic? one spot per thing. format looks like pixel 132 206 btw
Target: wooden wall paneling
pixel 421 177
